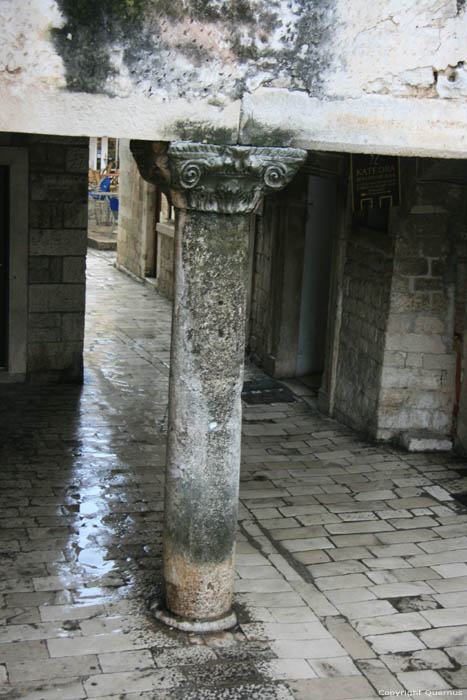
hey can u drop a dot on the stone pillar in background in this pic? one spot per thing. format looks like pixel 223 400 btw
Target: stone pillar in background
pixel 214 190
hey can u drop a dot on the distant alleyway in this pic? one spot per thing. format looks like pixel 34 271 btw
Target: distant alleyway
pixel 351 557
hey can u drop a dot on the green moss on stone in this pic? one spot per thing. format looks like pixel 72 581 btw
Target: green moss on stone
pixel 203 132
pixel 254 133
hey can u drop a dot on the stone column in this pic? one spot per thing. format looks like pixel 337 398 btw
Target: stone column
pixel 214 190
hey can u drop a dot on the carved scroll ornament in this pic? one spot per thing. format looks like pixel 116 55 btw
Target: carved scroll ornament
pixel 222 179
pixel 229 179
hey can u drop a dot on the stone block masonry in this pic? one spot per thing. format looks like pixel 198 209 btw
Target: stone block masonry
pixel 136 218
pixel 145 247
pixel 403 310
pixel 165 258
pixel 57 249
pixel 419 377
pixel 367 285
pixel 460 346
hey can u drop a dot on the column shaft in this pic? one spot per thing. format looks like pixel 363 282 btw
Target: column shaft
pixel 208 338
pixel 214 189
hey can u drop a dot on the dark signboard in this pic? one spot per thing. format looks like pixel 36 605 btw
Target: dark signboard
pixel 375 181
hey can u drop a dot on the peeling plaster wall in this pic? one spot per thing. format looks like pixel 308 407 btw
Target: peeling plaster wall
pixel 199 49
pixel 323 74
pixel 399 48
pixel 27 55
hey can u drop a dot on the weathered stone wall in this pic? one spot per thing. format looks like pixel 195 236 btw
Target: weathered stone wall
pixel 330 47
pixel 403 308
pixel 460 342
pixel 386 77
pixel 461 441
pixel 418 380
pixel 366 297
pixel 58 170
pixel 136 216
pixel 54 194
pixel 138 252
pixel 165 259
pixel 260 313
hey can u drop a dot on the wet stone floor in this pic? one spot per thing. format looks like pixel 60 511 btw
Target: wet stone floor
pixel 351 574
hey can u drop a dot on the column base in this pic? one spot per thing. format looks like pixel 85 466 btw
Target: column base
pixel 219 624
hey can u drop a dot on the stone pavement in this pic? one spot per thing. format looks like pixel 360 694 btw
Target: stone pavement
pixel 351 560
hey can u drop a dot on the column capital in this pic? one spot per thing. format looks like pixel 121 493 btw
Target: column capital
pixel 222 179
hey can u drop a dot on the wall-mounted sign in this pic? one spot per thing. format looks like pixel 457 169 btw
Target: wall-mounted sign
pixel 375 181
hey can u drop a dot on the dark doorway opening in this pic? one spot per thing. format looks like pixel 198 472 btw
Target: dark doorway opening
pixel 4 217
pixel 316 276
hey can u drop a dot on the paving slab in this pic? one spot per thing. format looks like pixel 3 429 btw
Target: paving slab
pixel 456 679
pixel 343 688
pixel 425 659
pixel 397 642
pixel 443 637
pixel 423 681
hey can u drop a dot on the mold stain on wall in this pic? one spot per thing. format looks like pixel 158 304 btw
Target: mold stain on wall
pixel 214 50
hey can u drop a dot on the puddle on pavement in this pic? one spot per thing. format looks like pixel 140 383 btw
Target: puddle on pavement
pixel 91 507
pixel 84 595
pixel 95 559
